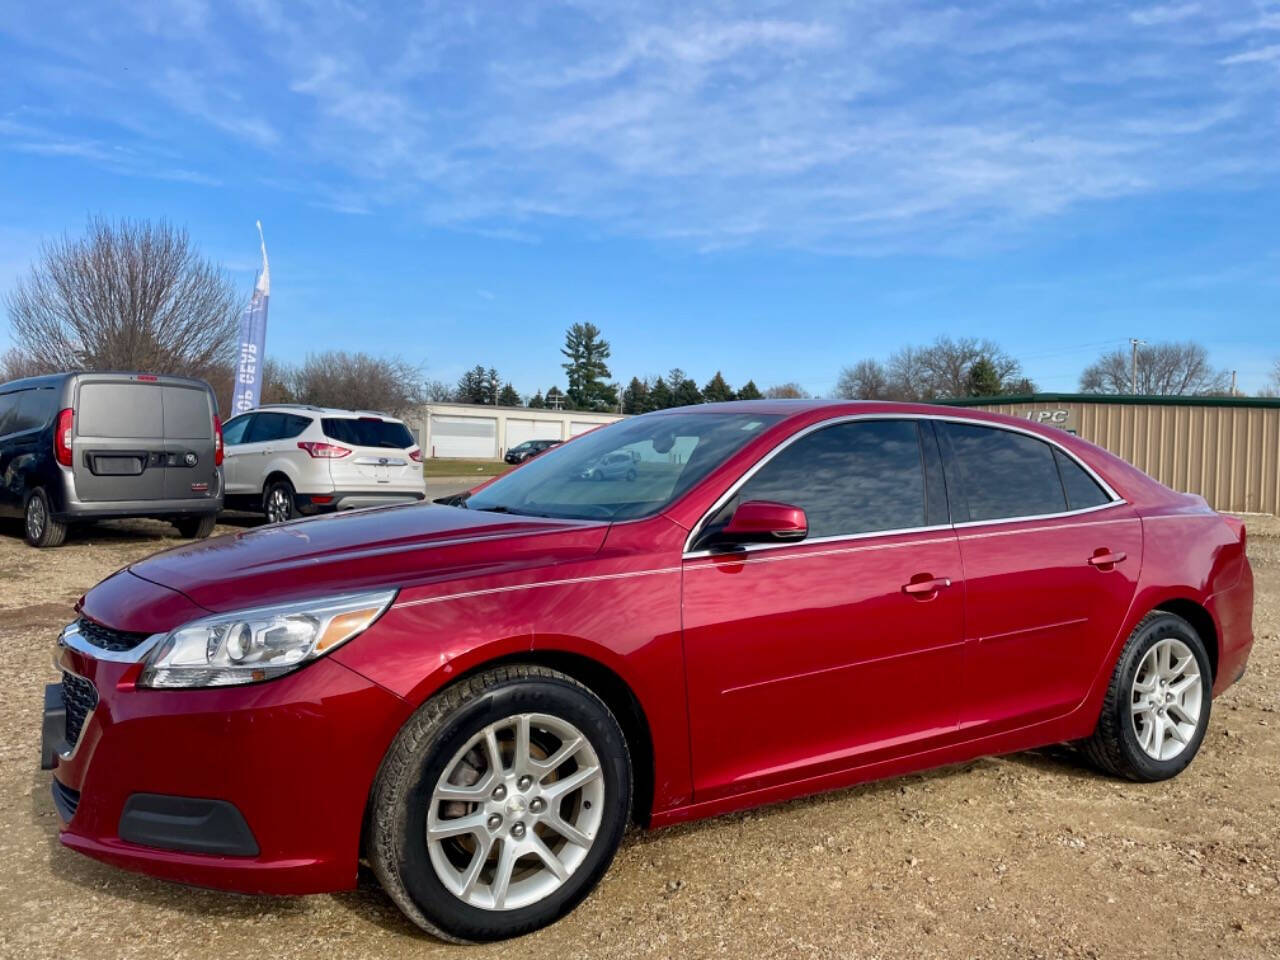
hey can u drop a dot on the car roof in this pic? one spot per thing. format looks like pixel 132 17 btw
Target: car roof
pixel 322 411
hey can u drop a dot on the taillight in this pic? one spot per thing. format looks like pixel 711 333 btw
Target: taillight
pixel 62 437
pixel 323 451
pixel 415 456
pixel 217 441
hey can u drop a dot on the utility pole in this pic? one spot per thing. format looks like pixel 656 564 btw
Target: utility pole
pixel 1233 383
pixel 1133 375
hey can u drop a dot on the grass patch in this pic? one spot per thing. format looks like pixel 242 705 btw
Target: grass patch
pixel 463 468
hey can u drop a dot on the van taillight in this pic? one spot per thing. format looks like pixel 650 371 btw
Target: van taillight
pixel 217 441
pixel 62 437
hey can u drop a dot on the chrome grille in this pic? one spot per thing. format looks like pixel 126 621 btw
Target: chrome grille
pixel 107 638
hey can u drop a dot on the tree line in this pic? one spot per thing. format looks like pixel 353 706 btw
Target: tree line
pixel 138 295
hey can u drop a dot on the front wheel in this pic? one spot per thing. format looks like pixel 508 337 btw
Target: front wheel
pixel 500 804
pixel 1156 709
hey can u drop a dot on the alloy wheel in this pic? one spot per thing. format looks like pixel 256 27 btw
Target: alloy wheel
pixel 279 507
pixel 515 812
pixel 1167 699
pixel 36 519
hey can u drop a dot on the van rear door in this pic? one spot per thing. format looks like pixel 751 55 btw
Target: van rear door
pixel 188 442
pixel 143 440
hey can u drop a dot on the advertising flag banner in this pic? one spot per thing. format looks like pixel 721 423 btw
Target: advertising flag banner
pixel 253 340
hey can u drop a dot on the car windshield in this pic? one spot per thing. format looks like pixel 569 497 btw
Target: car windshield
pixel 368 432
pixel 629 469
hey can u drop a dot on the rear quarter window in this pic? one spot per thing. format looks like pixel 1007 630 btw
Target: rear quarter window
pixel 1005 474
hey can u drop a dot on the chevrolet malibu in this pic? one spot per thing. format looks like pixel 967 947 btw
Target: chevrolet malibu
pixel 785 598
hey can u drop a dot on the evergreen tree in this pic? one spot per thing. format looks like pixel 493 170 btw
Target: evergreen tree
pixel 684 391
pixel 660 395
pixel 586 352
pixel 716 390
pixel 492 386
pixel 536 402
pixel 557 399
pixel 749 391
pixel 983 379
pixel 635 399
pixel 508 397
pixel 471 386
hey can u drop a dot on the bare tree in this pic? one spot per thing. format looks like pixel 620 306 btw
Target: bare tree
pixel 947 363
pixel 437 391
pixel 865 380
pixel 128 295
pixel 15 364
pixel 1164 369
pixel 358 381
pixel 787 391
pixel 908 376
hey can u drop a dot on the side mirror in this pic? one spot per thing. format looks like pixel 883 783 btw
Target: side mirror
pixel 765 521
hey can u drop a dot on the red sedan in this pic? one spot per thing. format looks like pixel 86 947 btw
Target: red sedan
pixel 781 598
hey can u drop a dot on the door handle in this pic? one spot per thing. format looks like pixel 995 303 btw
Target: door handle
pixel 925 588
pixel 1105 558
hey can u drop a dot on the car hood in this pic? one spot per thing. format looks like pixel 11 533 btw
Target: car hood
pixel 398 546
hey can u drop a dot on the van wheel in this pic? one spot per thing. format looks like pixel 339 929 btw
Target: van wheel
pixel 500 804
pixel 278 502
pixel 40 528
pixel 196 528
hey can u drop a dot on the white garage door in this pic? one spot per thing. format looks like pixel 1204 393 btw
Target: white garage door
pixel 519 430
pixel 472 437
pixel 578 426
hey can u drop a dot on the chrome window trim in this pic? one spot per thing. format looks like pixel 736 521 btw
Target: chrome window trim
pixel 1114 498
pixel 72 639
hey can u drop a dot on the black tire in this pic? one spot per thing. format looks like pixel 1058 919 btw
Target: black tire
pixel 631 474
pixel 1114 747
pixel 196 528
pixel 39 528
pixel 279 502
pixel 401 798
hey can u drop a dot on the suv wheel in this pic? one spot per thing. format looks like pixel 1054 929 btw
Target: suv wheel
pixel 500 804
pixel 39 527
pixel 278 502
pixel 196 528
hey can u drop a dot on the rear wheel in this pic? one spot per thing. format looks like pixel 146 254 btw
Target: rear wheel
pixel 500 804
pixel 196 528
pixel 279 502
pixel 39 526
pixel 1156 710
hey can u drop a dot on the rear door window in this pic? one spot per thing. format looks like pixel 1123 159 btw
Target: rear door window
pixel 851 478
pixel 1004 474
pixel 1082 490
pixel 187 414
pixel 9 404
pixel 124 410
pixel 37 408
pixel 368 433
pixel 266 426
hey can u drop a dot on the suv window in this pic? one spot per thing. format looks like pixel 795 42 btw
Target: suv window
pixel 849 478
pixel 265 426
pixel 234 429
pixel 1005 474
pixel 294 424
pixel 369 432
pixel 1082 490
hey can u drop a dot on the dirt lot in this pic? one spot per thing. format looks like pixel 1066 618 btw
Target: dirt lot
pixel 1032 855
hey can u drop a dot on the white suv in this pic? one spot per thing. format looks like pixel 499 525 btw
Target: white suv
pixel 287 459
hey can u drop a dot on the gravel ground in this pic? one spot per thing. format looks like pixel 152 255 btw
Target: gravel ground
pixel 1032 855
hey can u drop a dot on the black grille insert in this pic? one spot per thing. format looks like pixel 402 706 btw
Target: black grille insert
pixel 66 800
pixel 79 696
pixel 108 639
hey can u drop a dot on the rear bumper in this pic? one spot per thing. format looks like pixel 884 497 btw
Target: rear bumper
pixel 70 508
pixel 1232 610
pixel 355 499
pixel 257 789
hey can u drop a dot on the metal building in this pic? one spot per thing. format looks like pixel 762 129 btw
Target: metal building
pixel 482 432
pixel 1223 448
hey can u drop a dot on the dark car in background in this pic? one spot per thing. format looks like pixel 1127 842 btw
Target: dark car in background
pixel 530 448
pixel 86 446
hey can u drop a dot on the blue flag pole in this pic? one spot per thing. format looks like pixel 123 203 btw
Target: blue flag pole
pixel 253 339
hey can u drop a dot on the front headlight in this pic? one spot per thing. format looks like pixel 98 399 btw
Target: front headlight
pixel 259 644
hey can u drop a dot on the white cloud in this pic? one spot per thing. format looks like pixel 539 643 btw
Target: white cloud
pixel 883 126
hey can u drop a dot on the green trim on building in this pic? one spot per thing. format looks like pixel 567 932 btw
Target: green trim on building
pixel 1123 399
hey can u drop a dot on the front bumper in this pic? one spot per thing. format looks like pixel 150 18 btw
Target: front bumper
pixel 258 789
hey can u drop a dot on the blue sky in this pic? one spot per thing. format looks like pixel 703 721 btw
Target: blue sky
pixel 772 189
